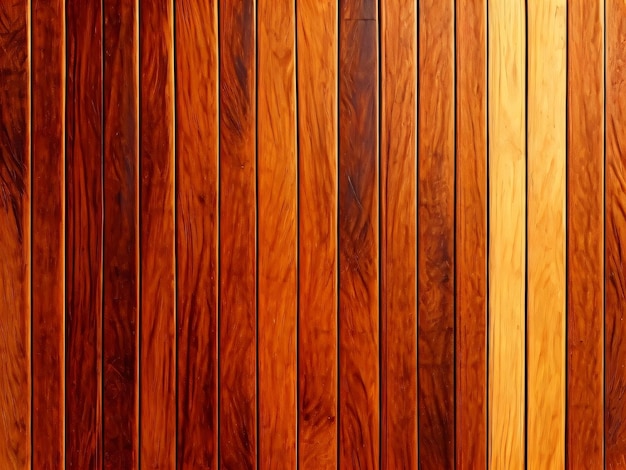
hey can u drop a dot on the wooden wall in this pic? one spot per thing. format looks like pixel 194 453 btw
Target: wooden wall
pixel 278 234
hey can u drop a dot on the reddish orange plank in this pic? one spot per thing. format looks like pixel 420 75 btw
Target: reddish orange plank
pixel 48 251
pixel 398 193
pixel 83 244
pixel 15 235
pixel 585 256
pixel 359 386
pixel 157 400
pixel 436 234
pixel 277 233
pixel 196 228
pixel 237 277
pixel 317 258
pixel 471 234
pixel 121 234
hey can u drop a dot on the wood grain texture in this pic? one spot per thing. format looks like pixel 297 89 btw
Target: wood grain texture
pixel 545 315
pixel 615 233
pixel 121 234
pixel 471 234
pixel 277 234
pixel 237 257
pixel 359 386
pixel 317 257
pixel 15 235
pixel 83 243
pixel 436 257
pixel 157 400
pixel 507 233
pixel 48 223
pixel 585 232
pixel 398 212
pixel 197 230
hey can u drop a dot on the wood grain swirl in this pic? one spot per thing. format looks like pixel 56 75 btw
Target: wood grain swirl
pixel 237 319
pixel 197 230
pixel 398 212
pixel 15 235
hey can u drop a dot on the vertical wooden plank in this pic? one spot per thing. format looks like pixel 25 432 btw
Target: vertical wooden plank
pixel 398 193
pixel 545 320
pixel 277 234
pixel 237 256
pixel 15 241
pixel 121 237
pixel 436 234
pixel 317 257
pixel 585 232
pixel 507 232
pixel 359 386
pixel 615 233
pixel 48 252
pixel 157 400
pixel 83 273
pixel 196 228
pixel 471 234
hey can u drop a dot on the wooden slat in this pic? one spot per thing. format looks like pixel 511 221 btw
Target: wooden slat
pixel 277 234
pixel 157 400
pixel 398 193
pixel 121 234
pixel 545 316
pixel 317 259
pixel 237 256
pixel 15 241
pixel 436 234
pixel 359 386
pixel 471 234
pixel 507 232
pixel 585 231
pixel 83 273
pixel 196 228
pixel 615 233
pixel 48 251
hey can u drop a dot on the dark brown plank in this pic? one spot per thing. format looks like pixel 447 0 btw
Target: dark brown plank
pixel 15 241
pixel 436 234
pixel 157 400
pixel 585 254
pixel 48 250
pixel 84 199
pixel 317 259
pixel 471 234
pixel 196 227
pixel 237 319
pixel 121 237
pixel 398 193
pixel 277 233
pixel 615 233
pixel 358 235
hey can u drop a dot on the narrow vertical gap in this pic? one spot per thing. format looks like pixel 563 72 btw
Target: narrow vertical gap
pixel 256 225
pixel 338 230
pixel 381 366
pixel 417 223
pixel 218 95
pixel 30 166
pixel 526 53
pixel 566 262
pixel 604 65
pixel 488 240
pixel 63 205
pixel 139 218
pixel 175 208
pixel 103 219
pixel 454 235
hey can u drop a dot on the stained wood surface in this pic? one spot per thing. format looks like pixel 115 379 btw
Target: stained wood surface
pixel 507 233
pixel 317 223
pixel 359 387
pixel 83 236
pixel 237 256
pixel 436 256
pixel 197 231
pixel 471 234
pixel 585 232
pixel 157 400
pixel 121 235
pixel 398 232
pixel 48 224
pixel 615 231
pixel 15 235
